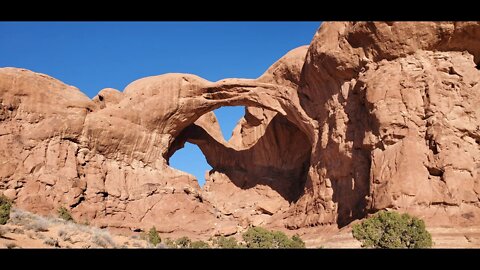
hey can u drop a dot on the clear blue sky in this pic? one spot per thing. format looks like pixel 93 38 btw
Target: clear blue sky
pixel 96 55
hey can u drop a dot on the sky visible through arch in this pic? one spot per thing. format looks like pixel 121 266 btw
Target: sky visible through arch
pixel 96 55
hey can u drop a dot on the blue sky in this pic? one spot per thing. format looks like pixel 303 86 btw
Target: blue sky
pixel 96 55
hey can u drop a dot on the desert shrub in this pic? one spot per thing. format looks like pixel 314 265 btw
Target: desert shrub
pixel 5 207
pixel 199 244
pixel 388 229
pixel 20 217
pixel 297 242
pixel 18 230
pixel 153 237
pixel 64 214
pixel 38 224
pixel 100 241
pixel 183 242
pixel 225 242
pixel 258 237
pixel 102 238
pixel 75 227
pixel 51 242
pixel 64 235
pixel 170 243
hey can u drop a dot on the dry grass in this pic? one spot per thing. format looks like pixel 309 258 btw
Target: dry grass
pixel 24 218
pixel 99 241
pixel 64 235
pixel 19 217
pixel 31 230
pixel 75 227
pixel 99 237
pixel 39 225
pixel 51 242
pixel 30 221
pixel 102 238
pixel 17 230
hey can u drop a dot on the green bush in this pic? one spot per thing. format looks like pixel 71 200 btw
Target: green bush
pixel 258 237
pixel 199 244
pixel 183 242
pixel 5 207
pixel 297 242
pixel 225 242
pixel 153 237
pixel 392 230
pixel 64 214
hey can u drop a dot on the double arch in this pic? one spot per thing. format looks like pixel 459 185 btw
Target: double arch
pixel 293 149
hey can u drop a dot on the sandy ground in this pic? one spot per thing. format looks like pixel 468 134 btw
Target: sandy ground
pixel 465 237
pixel 27 230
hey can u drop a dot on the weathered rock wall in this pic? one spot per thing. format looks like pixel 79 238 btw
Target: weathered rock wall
pixel 369 116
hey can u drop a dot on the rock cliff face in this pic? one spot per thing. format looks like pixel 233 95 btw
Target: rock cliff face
pixel 369 116
pixel 398 124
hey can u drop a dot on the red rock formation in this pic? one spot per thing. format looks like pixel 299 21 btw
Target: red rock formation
pixel 369 116
pixel 397 121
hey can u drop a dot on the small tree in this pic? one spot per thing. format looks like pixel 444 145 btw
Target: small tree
pixel 5 208
pixel 153 237
pixel 64 214
pixel 392 230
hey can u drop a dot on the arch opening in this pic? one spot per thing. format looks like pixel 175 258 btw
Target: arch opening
pixel 228 118
pixel 190 159
pixel 267 153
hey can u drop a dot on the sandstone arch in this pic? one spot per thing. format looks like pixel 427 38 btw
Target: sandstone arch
pixel 118 175
pixel 267 159
pixel 389 111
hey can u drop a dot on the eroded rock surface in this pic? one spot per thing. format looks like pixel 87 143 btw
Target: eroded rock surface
pixel 378 115
pixel 395 104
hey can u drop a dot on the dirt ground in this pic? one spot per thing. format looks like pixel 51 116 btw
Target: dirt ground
pixel 27 230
